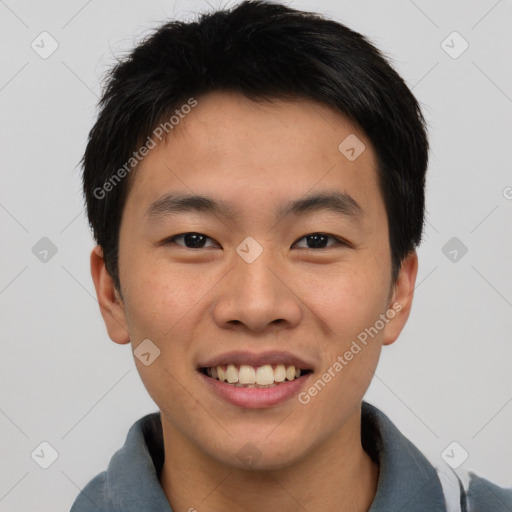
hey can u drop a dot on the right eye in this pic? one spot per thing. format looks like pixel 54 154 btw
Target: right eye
pixel 191 240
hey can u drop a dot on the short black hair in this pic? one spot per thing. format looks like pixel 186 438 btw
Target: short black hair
pixel 263 50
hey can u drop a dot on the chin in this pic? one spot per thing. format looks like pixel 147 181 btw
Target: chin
pixel 257 454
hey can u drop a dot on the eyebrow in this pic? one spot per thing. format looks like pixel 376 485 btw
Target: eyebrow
pixel 336 202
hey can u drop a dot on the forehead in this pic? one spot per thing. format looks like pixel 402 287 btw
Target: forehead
pixel 249 153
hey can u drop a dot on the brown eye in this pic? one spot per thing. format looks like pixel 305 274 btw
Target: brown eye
pixel 319 241
pixel 190 240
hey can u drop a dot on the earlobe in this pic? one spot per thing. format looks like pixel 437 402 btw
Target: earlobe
pixel 401 301
pixel 109 300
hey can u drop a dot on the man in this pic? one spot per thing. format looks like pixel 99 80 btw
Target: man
pixel 255 184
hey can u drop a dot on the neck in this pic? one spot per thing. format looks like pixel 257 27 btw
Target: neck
pixel 336 476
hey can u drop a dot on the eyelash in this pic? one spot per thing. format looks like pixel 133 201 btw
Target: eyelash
pixel 340 242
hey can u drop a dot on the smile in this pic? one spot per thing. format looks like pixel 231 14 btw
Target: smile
pixel 248 376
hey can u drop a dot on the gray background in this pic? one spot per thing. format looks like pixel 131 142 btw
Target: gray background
pixel 64 382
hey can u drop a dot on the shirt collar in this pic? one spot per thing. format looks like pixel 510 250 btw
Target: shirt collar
pixel 407 481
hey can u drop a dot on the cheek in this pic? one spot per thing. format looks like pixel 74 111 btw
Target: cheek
pixel 348 300
pixel 159 296
pixel 159 306
pixel 350 306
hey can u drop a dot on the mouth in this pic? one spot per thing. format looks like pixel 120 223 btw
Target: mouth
pixel 248 376
pixel 255 381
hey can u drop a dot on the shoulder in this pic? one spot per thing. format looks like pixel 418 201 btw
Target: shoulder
pixel 93 497
pixel 466 491
pixel 485 496
pixel 131 477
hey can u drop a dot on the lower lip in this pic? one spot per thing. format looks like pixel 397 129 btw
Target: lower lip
pixel 256 398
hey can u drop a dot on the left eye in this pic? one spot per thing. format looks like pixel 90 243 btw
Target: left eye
pixel 313 240
pixel 317 240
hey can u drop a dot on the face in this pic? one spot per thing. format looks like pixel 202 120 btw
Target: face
pixel 286 264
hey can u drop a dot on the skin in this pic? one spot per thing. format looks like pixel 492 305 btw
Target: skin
pixel 196 303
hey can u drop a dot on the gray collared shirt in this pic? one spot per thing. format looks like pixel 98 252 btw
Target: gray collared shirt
pixel 408 482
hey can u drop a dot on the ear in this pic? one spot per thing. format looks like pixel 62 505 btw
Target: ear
pixel 110 302
pixel 401 301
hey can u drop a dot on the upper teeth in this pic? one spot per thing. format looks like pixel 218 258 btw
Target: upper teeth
pixel 245 374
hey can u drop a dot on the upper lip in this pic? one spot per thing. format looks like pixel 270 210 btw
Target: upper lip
pixel 257 359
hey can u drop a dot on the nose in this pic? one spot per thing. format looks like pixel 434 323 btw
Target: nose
pixel 257 296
